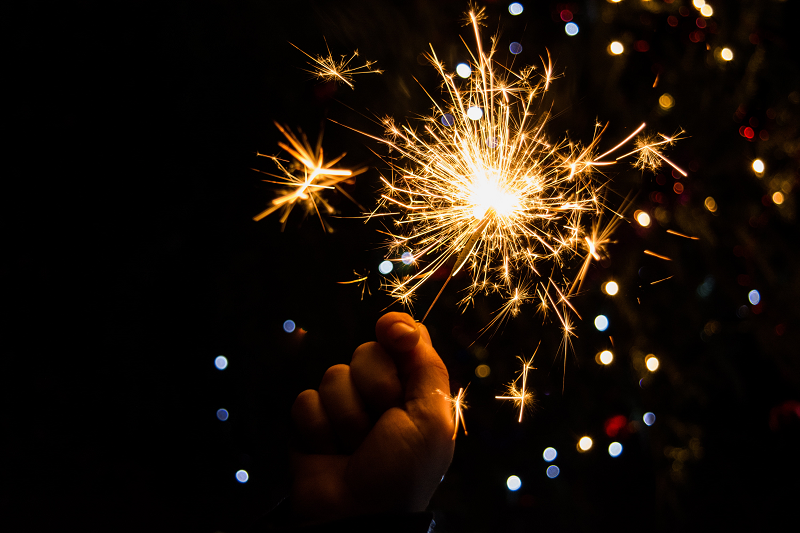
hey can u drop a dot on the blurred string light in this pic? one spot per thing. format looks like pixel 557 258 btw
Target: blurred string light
pixel 515 8
pixel 585 444
pixel 611 288
pixel 222 414
pixel 754 297
pixel 651 362
pixel 758 166
pixel 616 48
pixel 242 476
pixel 385 267
pixel 571 28
pixel 614 449
pixel 726 54
pixel 550 454
pixel 221 362
pixel 606 357
pixel 553 471
pixel 289 326
pixel 601 322
pixel 513 483
pixel 649 418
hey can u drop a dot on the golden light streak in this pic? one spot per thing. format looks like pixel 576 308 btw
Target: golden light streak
pixel 326 68
pixel 520 395
pixel 308 175
pixel 362 280
pixel 458 406
pixel 659 281
pixel 665 258
pixel 671 232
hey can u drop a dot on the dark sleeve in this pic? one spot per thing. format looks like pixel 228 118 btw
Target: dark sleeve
pixel 276 521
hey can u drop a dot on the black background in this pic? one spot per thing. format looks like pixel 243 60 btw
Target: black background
pixel 131 261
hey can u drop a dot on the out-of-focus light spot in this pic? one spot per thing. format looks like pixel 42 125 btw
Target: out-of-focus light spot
pixel 642 218
pixel 585 444
pixel 463 70
pixel 711 204
pixel 221 362
pixel 616 48
pixel 672 20
pixel 615 424
pixel 758 166
pixel 407 258
pixel 515 8
pixel 553 471
pixel 289 326
pixel 754 297
pixel 726 54
pixel 475 113
pixel 749 132
pixel 651 362
pixel 742 311
pixel 642 46
pixel 447 120
pixel 705 288
pixel 550 454
pixel 566 15
pixel 483 371
pixel 677 187
pixel 778 198
pixel 611 288
pixel 385 267
pixel 513 483
pixel 706 10
pixel 242 476
pixel 601 322
pixel 698 3
pixel 571 28
pixel 222 414
pixel 614 449
pixel 666 101
pixel 615 1
pixel 649 419
pixel 515 48
pixel 606 357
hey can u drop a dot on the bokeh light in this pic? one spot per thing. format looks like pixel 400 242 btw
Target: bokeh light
pixel 385 267
pixel 549 454
pixel 698 3
pixel 616 48
pixel 553 471
pixel 642 218
pixel 754 297
pixel 778 198
pixel 711 204
pixel 571 29
pixel 475 113
pixel 221 362
pixel 289 326
pixel 515 8
pixel 447 120
pixel 407 258
pixel 758 166
pixel 614 449
pixel 726 54
pixel 515 48
pixel 513 483
pixel 601 322
pixel 706 10
pixel 611 288
pixel 463 70
pixel 483 371
pixel 222 414
pixel 649 418
pixel 585 444
pixel 606 357
pixel 651 362
pixel 242 476
pixel 666 101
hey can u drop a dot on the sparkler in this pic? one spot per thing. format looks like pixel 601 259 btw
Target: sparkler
pixel 520 396
pixel 326 68
pixel 308 174
pixel 481 185
pixel 458 405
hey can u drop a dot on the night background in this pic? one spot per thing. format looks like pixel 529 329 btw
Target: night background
pixel 131 261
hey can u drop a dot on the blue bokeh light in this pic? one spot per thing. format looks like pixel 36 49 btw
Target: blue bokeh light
pixel 515 48
pixel 571 28
pixel 601 322
pixel 221 362
pixel 549 454
pixel 513 483
pixel 754 296
pixel 463 70
pixel 649 419
pixel 447 120
pixel 515 8
pixel 289 326
pixel 222 414
pixel 385 267
pixel 614 449
pixel 553 471
pixel 242 476
pixel 407 258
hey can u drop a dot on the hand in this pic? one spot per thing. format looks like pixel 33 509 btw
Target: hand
pixel 377 437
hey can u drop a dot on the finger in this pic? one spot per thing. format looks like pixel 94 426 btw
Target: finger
pixel 344 407
pixel 420 368
pixel 314 433
pixel 375 376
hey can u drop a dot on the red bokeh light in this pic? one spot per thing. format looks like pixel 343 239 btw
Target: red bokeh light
pixel 566 15
pixel 614 424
